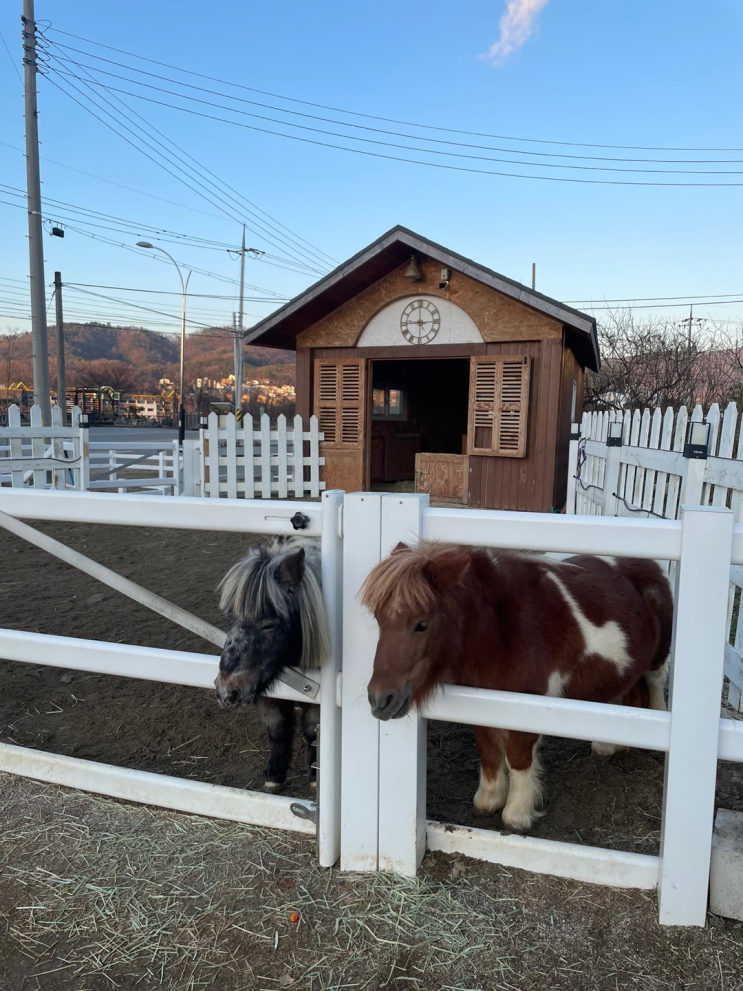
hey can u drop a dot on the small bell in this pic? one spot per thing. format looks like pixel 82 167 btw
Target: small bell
pixel 413 272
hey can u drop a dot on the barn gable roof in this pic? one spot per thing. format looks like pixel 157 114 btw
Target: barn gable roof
pixel 281 328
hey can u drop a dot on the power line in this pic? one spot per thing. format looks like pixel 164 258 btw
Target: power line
pixel 414 161
pixel 181 167
pixel 12 60
pixel 389 120
pixel 377 141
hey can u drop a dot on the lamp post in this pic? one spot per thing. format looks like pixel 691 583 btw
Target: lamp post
pixel 184 287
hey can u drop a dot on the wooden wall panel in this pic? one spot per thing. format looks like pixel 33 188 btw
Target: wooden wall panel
pixel 571 372
pixel 498 317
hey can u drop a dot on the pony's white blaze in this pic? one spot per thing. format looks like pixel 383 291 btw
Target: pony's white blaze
pixel 556 684
pixel 491 795
pixel 524 795
pixel 608 641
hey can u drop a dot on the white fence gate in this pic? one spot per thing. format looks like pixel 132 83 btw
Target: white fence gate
pixel 181 667
pixel 372 802
pixel 44 457
pixel 239 460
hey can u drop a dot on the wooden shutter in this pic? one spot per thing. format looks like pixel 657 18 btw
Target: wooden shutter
pixel 499 404
pixel 339 402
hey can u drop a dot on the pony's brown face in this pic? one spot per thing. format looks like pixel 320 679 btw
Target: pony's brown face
pixel 410 638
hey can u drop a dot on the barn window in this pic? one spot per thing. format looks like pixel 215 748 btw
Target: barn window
pixel 388 403
pixel 339 401
pixel 498 406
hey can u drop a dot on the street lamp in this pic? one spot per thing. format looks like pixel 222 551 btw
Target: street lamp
pixel 184 287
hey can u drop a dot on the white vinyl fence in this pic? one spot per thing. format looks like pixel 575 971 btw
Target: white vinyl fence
pixel 147 466
pixel 372 798
pixel 648 475
pixel 238 459
pixel 44 457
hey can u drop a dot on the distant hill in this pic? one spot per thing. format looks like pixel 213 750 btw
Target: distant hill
pixel 97 354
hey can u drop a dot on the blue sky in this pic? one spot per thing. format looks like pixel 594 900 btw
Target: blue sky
pixel 624 73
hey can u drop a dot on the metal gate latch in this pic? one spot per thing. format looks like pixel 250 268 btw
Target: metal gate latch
pixel 307 812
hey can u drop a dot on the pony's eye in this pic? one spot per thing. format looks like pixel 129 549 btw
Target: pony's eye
pixel 420 628
pixel 269 624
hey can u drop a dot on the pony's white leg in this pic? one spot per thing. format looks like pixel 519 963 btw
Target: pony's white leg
pixel 491 746
pixel 524 793
pixel 656 681
pixel 492 793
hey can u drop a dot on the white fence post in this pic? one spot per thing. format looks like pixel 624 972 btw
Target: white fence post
pixel 570 507
pixel 611 475
pixel 402 742
pixel 699 639
pixel 329 754
pixel 362 534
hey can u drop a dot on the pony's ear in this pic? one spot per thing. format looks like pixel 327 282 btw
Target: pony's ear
pixel 446 571
pixel 291 569
pixel 400 547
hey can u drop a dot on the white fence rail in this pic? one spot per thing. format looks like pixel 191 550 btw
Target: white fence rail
pixel 151 466
pixel 646 473
pixel 240 459
pixel 44 457
pixel 372 801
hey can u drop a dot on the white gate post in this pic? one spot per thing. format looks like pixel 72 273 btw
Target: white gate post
pixel 402 743
pixel 362 529
pixel 694 700
pixel 570 507
pixel 329 754
pixel 611 473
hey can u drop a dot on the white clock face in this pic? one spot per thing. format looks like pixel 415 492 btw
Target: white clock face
pixel 420 322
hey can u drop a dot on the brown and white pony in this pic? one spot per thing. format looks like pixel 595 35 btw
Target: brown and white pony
pixel 583 628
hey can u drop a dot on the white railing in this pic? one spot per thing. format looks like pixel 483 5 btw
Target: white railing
pixel 177 666
pixel 238 459
pixel 44 457
pixel 386 828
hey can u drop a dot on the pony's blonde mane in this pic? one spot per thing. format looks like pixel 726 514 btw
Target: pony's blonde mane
pixel 252 588
pixel 399 584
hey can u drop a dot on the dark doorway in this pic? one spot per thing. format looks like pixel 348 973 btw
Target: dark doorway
pixel 418 406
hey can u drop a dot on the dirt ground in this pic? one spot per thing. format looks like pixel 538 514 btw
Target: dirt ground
pixel 181 731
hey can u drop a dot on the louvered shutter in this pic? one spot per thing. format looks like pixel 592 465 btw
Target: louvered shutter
pixel 499 403
pixel 339 402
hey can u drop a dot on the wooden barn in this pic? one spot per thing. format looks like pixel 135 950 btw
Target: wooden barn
pixel 429 372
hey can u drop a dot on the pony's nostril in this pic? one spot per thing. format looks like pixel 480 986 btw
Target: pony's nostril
pixel 380 703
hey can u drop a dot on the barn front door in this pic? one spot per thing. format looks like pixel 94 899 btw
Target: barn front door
pixel 339 404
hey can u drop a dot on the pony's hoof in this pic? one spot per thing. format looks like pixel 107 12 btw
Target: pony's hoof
pixel 606 750
pixel 518 823
pixel 273 787
pixel 490 797
pixel 313 785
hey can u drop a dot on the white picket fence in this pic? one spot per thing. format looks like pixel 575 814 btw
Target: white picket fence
pixel 372 805
pixel 45 457
pixel 238 459
pixel 649 476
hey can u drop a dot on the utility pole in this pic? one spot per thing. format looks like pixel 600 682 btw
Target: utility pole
pixel 690 321
pixel 61 378
pixel 239 353
pixel 40 344
pixel 239 330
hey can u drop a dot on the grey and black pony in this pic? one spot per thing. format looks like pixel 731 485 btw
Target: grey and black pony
pixel 273 602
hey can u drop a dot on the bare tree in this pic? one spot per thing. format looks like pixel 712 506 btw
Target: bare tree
pixel 657 362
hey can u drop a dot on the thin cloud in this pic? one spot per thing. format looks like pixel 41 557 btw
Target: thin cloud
pixel 516 26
